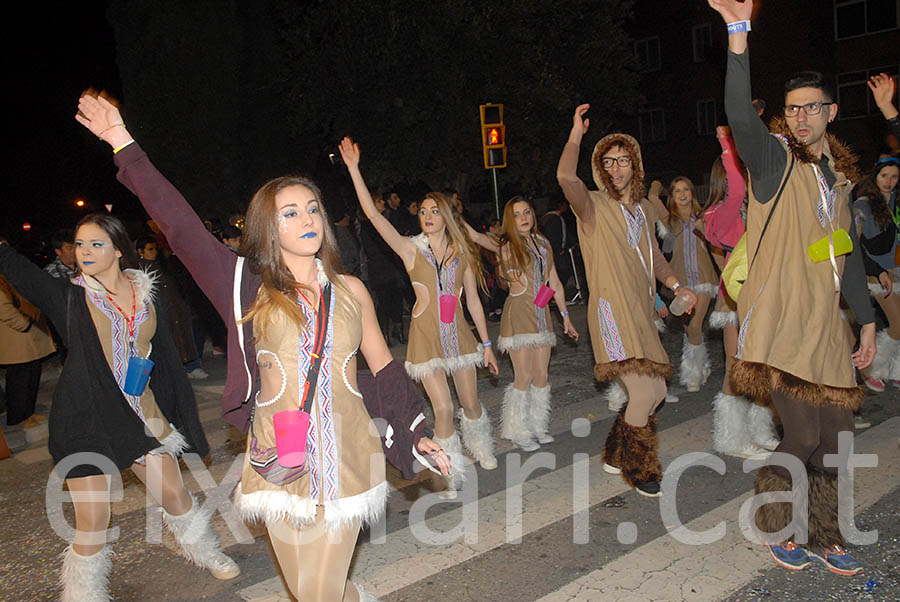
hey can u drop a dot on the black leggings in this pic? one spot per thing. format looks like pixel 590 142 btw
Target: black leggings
pixel 810 432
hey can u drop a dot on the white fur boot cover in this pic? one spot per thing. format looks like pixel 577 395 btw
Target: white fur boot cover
pixel 539 413
pixel 616 396
pixel 731 435
pixel 695 365
pixel 476 436
pixel 453 448
pixel 85 578
pixel 886 364
pixel 515 425
pixel 761 427
pixel 199 543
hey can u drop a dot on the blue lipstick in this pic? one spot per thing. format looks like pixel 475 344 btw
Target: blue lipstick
pixel 309 235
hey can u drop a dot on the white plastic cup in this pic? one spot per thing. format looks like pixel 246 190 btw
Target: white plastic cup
pixel 680 304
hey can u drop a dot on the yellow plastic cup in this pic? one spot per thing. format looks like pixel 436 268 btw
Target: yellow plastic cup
pixel 818 251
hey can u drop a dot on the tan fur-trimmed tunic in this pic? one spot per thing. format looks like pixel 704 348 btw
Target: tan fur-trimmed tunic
pixel 346 463
pixel 522 323
pixel 435 345
pixel 621 316
pixel 792 336
pixel 690 260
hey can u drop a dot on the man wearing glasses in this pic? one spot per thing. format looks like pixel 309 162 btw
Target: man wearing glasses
pixel 793 347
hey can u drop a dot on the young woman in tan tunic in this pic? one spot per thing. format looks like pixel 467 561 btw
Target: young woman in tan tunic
pixel 441 261
pixel 692 265
pixel 526 330
pixel 622 264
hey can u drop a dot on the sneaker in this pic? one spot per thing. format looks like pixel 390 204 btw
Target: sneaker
pixel 861 423
pixel 876 384
pixel 838 561
pixel 198 374
pixel 672 398
pixel 789 555
pixel 609 468
pixel 544 439
pixel 649 489
pixel 528 446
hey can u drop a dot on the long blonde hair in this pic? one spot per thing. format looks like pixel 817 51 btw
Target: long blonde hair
pixel 260 244
pixel 459 238
pixel 513 255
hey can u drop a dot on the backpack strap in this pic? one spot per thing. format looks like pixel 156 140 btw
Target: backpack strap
pixel 772 210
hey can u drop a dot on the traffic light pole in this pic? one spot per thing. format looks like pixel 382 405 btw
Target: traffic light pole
pixel 496 190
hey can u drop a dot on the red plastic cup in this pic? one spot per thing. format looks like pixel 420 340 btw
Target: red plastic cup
pixel 448 308
pixel 543 296
pixel 137 375
pixel 291 428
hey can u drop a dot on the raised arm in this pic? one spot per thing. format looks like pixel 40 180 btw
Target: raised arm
pixel 883 87
pixel 574 189
pixel 761 152
pixel 44 291
pixel 400 244
pixel 723 221
pixel 210 262
pixel 481 239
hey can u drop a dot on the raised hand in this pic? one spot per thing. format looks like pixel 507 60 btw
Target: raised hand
pixel 580 125
pixel 723 131
pixel 102 118
pixel 733 10
pixel 349 152
pixel 883 88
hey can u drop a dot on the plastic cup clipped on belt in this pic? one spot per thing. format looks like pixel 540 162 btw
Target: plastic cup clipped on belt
pixel 680 304
pixel 137 375
pixel 544 294
pixel 291 428
pixel 447 308
pixel 819 250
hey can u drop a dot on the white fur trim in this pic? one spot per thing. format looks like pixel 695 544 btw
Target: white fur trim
pixel 886 350
pixel 730 433
pixel 695 364
pixel 518 341
pixel 877 291
pixel 720 319
pixel 421 242
pixel 660 325
pixel 895 367
pixel 661 230
pixel 705 288
pixel 453 448
pixel 761 427
pixel 270 507
pixel 320 273
pixel 198 541
pixel 514 424
pixel 476 435
pixel 174 444
pixel 616 396
pixel 85 578
pixel 449 365
pixel 144 283
pixel 539 412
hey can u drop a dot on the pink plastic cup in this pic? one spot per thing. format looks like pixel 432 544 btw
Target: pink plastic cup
pixel 291 427
pixel 543 296
pixel 448 308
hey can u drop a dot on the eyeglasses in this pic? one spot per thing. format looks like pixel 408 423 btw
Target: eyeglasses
pixel 810 108
pixel 623 161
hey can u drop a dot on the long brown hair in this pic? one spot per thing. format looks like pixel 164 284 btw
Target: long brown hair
pixel 869 188
pixel 718 182
pixel 261 245
pixel 637 169
pixel 513 255
pixel 458 237
pixel 673 216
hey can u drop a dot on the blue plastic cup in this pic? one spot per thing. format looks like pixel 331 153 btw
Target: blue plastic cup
pixel 138 374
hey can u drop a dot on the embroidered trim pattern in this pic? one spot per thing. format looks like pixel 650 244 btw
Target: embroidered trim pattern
pixel 609 332
pixel 537 282
pixel 689 244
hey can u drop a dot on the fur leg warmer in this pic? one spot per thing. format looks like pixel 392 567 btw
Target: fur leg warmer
pixel 773 517
pixel 616 396
pixel 640 453
pixel 612 449
pixel 86 578
pixel 695 365
pixel 886 364
pixel 731 433
pixel 516 418
pixel 539 413
pixel 476 436
pixel 824 531
pixel 198 541
pixel 452 446
pixel 762 427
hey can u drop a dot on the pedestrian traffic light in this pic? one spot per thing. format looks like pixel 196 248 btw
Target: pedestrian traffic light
pixel 493 136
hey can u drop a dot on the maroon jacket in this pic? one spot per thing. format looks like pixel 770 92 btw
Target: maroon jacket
pixel 214 268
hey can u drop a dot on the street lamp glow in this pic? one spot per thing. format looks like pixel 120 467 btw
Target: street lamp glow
pixel 79 203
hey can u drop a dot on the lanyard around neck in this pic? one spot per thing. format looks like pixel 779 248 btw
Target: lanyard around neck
pixel 629 218
pixel 129 321
pixel 825 192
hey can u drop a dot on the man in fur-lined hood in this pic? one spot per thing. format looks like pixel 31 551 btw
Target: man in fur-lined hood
pixel 794 347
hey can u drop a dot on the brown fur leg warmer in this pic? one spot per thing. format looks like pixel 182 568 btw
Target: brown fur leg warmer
pixel 824 531
pixel 640 454
pixel 773 517
pixel 612 449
